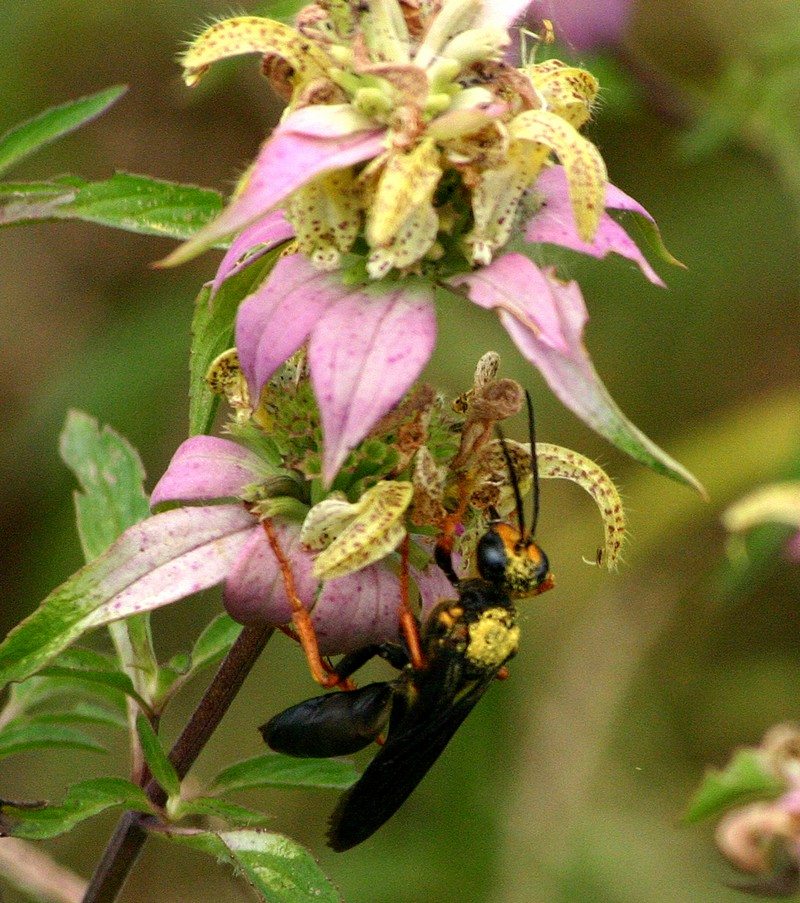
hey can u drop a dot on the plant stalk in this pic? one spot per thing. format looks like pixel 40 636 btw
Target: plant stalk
pixel 126 842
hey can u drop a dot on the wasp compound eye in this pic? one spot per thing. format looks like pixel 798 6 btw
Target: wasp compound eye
pixel 492 558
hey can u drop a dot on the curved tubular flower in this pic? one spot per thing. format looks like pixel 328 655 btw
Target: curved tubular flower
pixel 410 156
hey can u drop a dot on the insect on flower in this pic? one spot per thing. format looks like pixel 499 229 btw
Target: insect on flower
pixel 465 644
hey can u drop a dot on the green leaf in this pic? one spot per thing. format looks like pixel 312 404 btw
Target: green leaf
pixel 275 770
pixel 81 713
pixel 125 201
pixel 236 815
pixel 28 137
pixel 214 642
pixel 114 680
pixel 37 691
pixel 277 868
pixel 19 738
pixel 161 767
pixel 212 333
pixel 111 477
pixel 745 777
pixel 82 801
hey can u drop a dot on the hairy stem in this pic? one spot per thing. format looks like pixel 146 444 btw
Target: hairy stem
pixel 129 836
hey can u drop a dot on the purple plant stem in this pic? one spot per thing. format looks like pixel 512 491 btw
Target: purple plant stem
pixel 129 836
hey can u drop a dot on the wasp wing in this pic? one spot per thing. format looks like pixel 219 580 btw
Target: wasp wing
pixel 437 706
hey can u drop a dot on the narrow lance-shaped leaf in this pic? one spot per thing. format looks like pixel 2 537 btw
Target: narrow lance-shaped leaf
pixel 159 561
pixel 19 738
pixel 112 499
pixel 82 801
pixel 277 868
pixel 161 767
pixel 214 641
pixel 125 201
pixel 110 474
pixel 275 770
pixel 35 133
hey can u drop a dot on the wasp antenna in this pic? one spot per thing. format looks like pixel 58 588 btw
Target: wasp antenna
pixel 512 474
pixel 534 464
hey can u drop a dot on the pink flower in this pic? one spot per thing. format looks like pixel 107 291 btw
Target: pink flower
pixel 410 145
pixel 365 349
pixel 348 612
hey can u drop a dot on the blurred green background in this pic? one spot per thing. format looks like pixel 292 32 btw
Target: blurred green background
pixel 568 782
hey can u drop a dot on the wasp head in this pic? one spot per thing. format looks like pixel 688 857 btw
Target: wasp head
pixel 513 562
pixel 509 557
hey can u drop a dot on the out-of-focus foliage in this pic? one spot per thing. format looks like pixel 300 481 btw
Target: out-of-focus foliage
pixel 569 782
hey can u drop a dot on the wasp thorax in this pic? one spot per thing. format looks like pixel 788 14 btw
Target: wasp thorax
pixel 493 638
pixel 515 563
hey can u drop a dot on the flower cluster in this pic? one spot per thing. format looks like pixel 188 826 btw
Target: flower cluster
pixel 413 159
pixel 404 478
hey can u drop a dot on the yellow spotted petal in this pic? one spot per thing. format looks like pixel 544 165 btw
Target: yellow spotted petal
pixel 224 377
pixel 374 528
pixel 326 520
pixel 407 182
pixel 556 462
pixel 567 90
pixel 326 217
pixel 495 200
pixel 253 34
pixel 777 504
pixel 583 165
pixel 411 243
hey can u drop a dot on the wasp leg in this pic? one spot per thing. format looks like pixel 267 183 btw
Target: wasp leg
pixel 322 673
pixel 408 622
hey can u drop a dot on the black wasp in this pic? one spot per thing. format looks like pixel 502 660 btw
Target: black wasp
pixel 465 642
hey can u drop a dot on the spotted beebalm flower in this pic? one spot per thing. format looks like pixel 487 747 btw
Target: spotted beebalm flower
pixel 410 158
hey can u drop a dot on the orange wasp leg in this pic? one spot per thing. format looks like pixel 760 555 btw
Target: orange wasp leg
pixel 408 623
pixel 321 671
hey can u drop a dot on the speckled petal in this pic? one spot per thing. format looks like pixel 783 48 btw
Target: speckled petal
pixel 364 354
pixel 574 380
pixel 357 610
pixel 170 556
pixel 554 223
pixel 254 591
pixel 206 467
pixel 516 286
pixel 278 317
pixel 264 234
pixel 286 161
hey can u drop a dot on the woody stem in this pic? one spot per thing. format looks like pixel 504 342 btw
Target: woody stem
pixel 128 838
